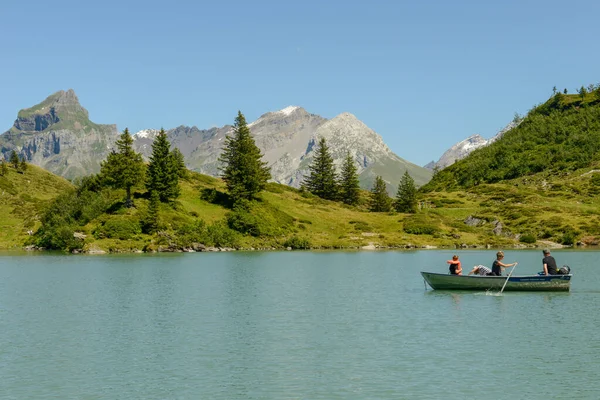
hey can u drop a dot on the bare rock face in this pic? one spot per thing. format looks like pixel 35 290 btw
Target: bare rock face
pixel 463 148
pixel 287 139
pixel 58 136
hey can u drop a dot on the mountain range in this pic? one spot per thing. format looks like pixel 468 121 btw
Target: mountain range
pixel 58 136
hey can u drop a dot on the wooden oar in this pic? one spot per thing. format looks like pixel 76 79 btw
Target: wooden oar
pixel 508 277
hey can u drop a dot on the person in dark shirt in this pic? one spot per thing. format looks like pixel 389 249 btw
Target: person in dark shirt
pixel 455 266
pixel 498 265
pixel 549 263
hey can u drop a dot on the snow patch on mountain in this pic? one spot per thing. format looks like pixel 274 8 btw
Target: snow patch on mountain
pixel 146 134
pixel 288 110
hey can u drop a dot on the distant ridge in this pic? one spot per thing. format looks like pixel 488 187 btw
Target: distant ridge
pixel 287 139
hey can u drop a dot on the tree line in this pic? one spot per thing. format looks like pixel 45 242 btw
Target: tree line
pixel 242 169
pixel 324 182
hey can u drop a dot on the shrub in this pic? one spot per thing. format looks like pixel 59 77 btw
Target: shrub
pixel 244 222
pixel 419 229
pixel 219 234
pixel 360 226
pixel 420 224
pixel 118 228
pixel 527 238
pixel 297 243
pixel 568 238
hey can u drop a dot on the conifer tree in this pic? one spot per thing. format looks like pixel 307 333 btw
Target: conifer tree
pixel 349 183
pixel 14 159
pixel 163 176
pixel 243 171
pixel 151 223
pixel 179 163
pixel 3 168
pixel 123 168
pixel 406 197
pixel 582 93
pixel 22 165
pixel 322 179
pixel 380 200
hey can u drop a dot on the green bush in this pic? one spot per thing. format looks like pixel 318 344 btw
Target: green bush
pixel 245 222
pixel 259 221
pixel 419 229
pixel 297 243
pixel 421 224
pixel 118 228
pixel 527 238
pixel 220 235
pixel 568 238
pixel 360 226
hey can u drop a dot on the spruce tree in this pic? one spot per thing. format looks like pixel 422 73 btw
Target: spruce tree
pixel 179 163
pixel 22 165
pixel 406 197
pixel 380 200
pixel 123 168
pixel 322 179
pixel 243 171
pixel 349 184
pixel 152 220
pixel 14 159
pixel 582 93
pixel 3 168
pixel 162 175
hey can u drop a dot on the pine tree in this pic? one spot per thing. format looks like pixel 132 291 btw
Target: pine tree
pixel 22 165
pixel 14 159
pixel 406 197
pixel 380 200
pixel 162 174
pixel 152 219
pixel 322 179
pixel 582 93
pixel 123 168
pixel 243 171
pixel 179 163
pixel 349 184
pixel 3 168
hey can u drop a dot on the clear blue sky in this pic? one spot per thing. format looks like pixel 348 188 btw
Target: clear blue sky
pixel 424 75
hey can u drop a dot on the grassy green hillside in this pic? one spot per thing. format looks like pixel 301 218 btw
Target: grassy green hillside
pixel 531 211
pixel 559 136
pixel 540 181
pixel 23 197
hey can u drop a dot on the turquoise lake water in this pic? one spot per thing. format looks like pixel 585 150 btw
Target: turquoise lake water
pixel 291 325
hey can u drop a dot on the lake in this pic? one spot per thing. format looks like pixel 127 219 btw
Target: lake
pixel 291 325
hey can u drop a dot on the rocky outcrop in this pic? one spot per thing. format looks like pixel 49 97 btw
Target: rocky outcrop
pixel 58 136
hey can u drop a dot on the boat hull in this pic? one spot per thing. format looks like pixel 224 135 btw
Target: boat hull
pixel 546 283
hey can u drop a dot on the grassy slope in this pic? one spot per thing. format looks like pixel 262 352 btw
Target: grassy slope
pixel 551 208
pixel 22 199
pixel 546 206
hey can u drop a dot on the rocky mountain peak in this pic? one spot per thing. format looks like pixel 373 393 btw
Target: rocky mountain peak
pixel 57 135
pixel 60 106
